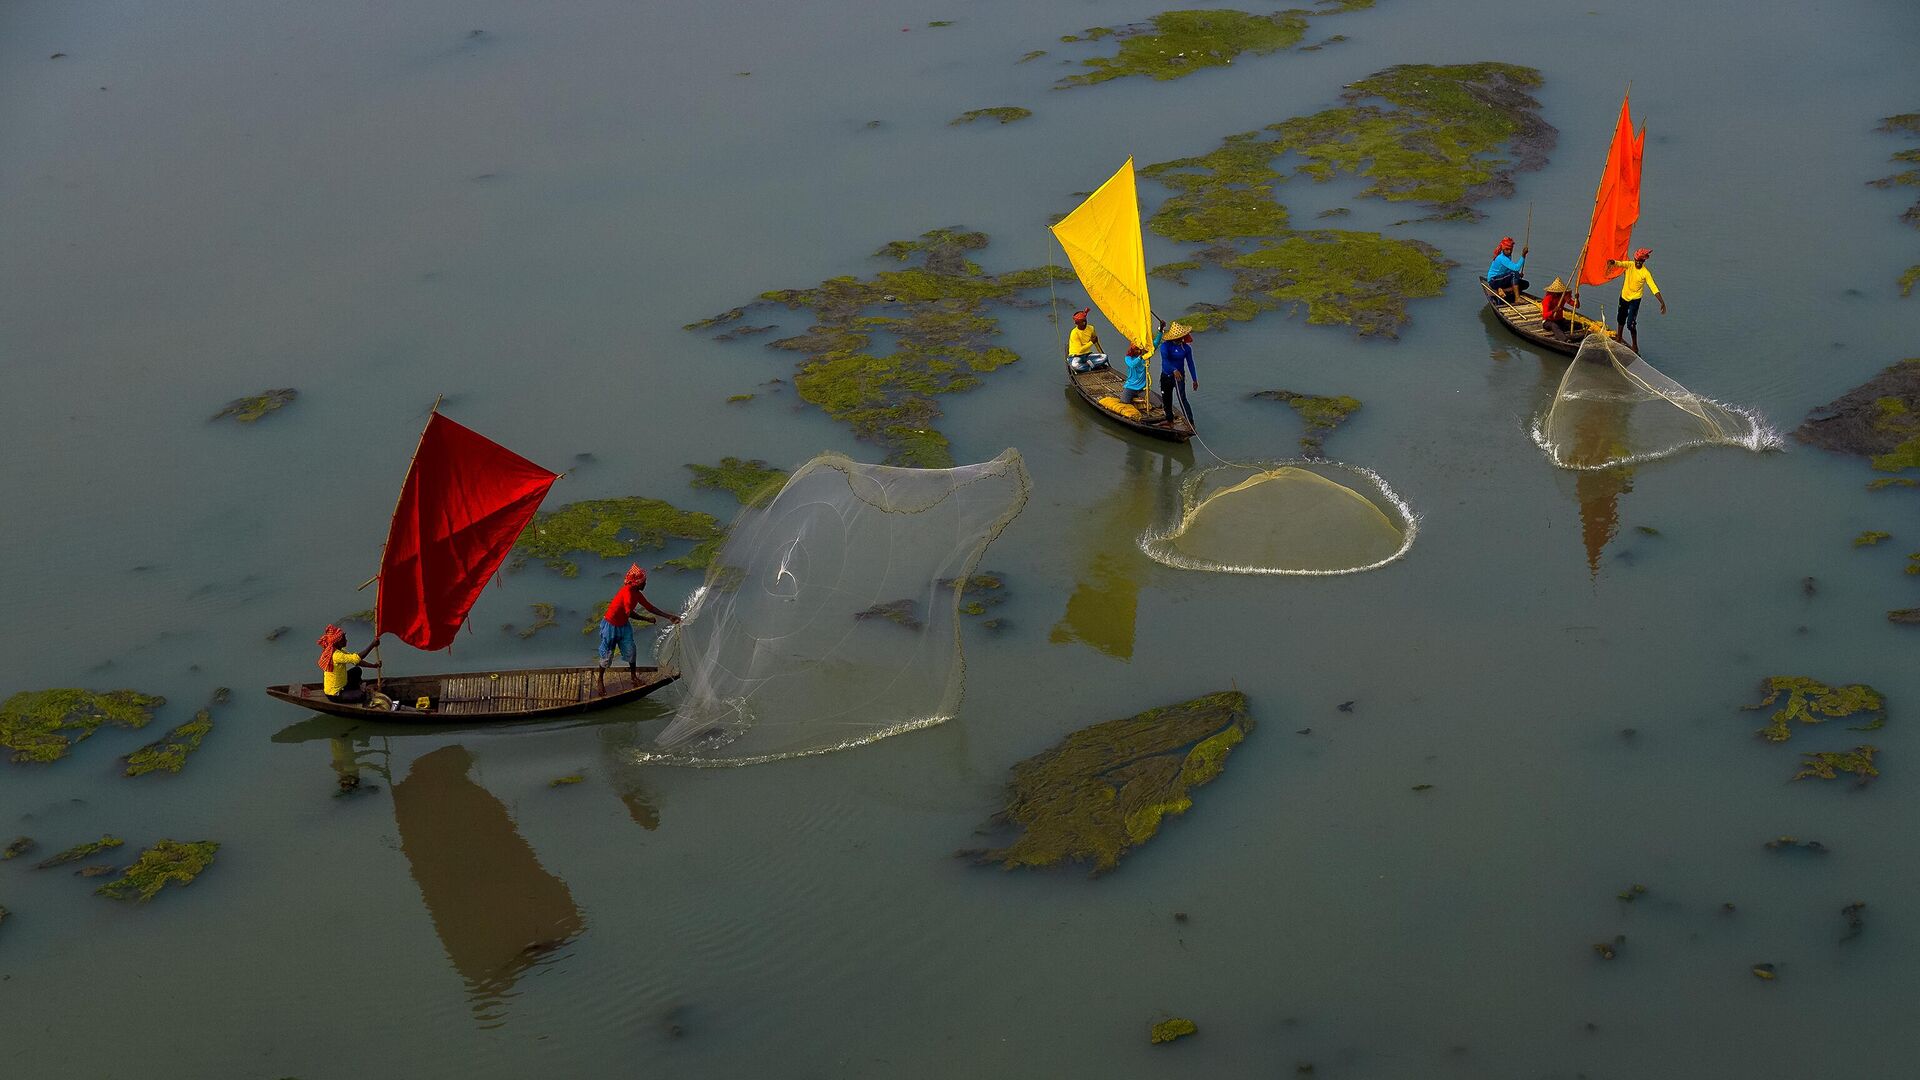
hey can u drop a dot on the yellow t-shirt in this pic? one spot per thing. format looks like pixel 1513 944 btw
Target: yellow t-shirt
pixel 1080 340
pixel 335 679
pixel 1638 279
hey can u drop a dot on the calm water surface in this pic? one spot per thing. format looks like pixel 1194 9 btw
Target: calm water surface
pixel 376 205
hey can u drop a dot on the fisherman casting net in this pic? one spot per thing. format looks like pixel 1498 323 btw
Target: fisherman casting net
pixel 1306 517
pixel 830 617
pixel 1614 408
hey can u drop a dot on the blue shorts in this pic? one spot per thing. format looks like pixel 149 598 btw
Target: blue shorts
pixel 616 637
pixel 1506 281
pixel 1629 313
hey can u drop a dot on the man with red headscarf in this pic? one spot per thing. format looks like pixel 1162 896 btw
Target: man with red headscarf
pixel 1633 289
pixel 1083 344
pixel 1504 274
pixel 341 678
pixel 616 627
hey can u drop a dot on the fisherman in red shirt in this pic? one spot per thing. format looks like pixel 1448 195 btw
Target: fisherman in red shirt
pixel 1553 309
pixel 616 631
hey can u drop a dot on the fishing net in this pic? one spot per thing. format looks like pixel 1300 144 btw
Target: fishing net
pixel 1614 408
pixel 1307 517
pixel 830 617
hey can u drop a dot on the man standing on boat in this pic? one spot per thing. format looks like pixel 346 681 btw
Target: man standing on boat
pixel 1504 273
pixel 1176 366
pixel 1633 288
pixel 1083 344
pixel 616 627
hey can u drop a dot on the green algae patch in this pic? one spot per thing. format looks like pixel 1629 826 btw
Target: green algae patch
pixel 1810 701
pixel 80 851
pixel 746 480
pixel 1908 279
pixel 897 612
pixel 1178 1027
pixel 43 725
pixel 566 781
pixel 246 410
pixel 738 399
pixel 1340 278
pixel 1899 125
pixel 543 617
pixel 170 754
pixel 168 862
pixel 1175 44
pixel 1175 272
pixel 1830 764
pixel 1034 55
pixel 364 615
pixel 1905 616
pixel 882 349
pixel 1879 419
pixel 617 529
pixel 1871 537
pixel 20 846
pixel 1321 414
pixel 1105 789
pixel 1005 114
pixel 979 593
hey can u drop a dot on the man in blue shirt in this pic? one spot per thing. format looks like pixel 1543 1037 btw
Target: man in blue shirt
pixel 1503 276
pixel 1135 388
pixel 1176 366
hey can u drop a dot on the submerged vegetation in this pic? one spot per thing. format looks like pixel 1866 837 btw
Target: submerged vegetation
pixel 1104 789
pixel 248 409
pixel 747 481
pixel 80 851
pixel 1829 764
pixel 617 529
pixel 43 725
pixel 1448 136
pixel 166 862
pixel 1178 1027
pixel 1905 124
pixel 979 594
pixel 897 612
pixel 935 313
pixel 1006 114
pixel 1321 414
pixel 1810 701
pixel 1879 419
pixel 1871 537
pixel 1175 44
pixel 170 753
pixel 20 846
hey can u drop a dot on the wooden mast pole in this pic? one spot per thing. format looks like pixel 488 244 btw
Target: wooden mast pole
pixel 432 411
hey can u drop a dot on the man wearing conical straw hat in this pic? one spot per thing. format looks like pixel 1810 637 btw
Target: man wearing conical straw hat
pixel 1176 367
pixel 1553 309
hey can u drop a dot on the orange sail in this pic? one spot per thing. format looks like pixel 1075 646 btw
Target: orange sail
pixel 1616 206
pixel 464 504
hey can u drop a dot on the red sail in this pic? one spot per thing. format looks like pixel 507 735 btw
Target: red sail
pixel 465 502
pixel 1616 206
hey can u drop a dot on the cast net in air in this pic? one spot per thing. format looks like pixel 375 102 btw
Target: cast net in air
pixel 1304 517
pixel 830 617
pixel 1614 408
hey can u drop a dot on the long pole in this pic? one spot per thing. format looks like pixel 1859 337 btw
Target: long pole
pixel 375 650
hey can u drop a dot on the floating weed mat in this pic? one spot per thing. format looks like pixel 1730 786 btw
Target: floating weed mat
pixel 168 862
pixel 1810 701
pixel 1104 790
pixel 1613 408
pixel 43 725
pixel 1304 518
pixel 1175 44
pixel 1879 419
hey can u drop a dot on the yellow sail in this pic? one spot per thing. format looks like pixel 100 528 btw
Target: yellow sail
pixel 1102 240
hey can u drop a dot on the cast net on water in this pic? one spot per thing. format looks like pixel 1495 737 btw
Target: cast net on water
pixel 1614 408
pixel 1293 517
pixel 830 617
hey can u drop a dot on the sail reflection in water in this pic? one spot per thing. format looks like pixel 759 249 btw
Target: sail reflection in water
pixel 497 911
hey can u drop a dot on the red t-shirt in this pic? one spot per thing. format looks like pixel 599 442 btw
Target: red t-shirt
pixel 622 604
pixel 1551 305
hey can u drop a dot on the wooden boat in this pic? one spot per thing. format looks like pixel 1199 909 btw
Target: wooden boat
pixel 1102 240
pixel 463 505
pixel 465 697
pixel 1106 383
pixel 1616 207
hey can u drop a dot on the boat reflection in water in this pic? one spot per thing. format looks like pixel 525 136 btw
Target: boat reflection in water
pixel 498 912
pixel 1104 606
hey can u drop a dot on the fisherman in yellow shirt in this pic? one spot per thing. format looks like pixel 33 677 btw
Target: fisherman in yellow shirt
pixel 1083 344
pixel 1633 287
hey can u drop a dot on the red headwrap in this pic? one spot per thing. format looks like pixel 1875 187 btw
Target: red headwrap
pixel 1506 244
pixel 1081 314
pixel 1642 253
pixel 332 638
pixel 635 575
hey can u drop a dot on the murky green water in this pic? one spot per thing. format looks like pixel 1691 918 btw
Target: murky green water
pixel 375 206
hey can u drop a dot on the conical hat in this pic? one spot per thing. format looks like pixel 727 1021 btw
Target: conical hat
pixel 1558 286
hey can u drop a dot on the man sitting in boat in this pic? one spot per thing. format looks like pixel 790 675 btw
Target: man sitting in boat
pixel 1553 309
pixel 342 679
pixel 1083 344
pixel 1503 276
pixel 616 627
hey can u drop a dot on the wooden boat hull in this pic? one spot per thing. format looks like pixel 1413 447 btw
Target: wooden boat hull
pixel 1523 319
pixel 1106 382
pixel 488 696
